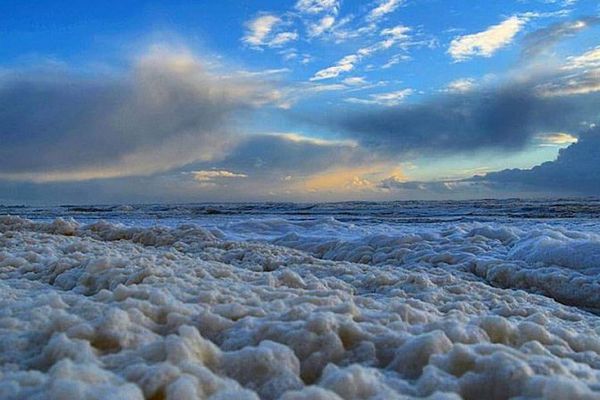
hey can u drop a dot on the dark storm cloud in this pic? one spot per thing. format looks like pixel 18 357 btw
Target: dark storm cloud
pixel 164 113
pixel 533 99
pixel 501 118
pixel 575 170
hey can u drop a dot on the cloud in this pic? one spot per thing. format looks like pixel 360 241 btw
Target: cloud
pixel 166 111
pixel 502 117
pixel 318 6
pixel 261 32
pixel 322 26
pixel 562 3
pixel 486 43
pixel 303 90
pixel 211 175
pixel 398 35
pixel 385 99
pixel 259 28
pixel 346 64
pixel 579 75
pixel 461 85
pixel 588 60
pixel 576 170
pixel 384 7
pixel 291 163
pixel 541 40
pixel 209 179
pixel 255 167
pixel 395 59
pixel 282 154
pixel 355 81
pixel 436 189
pixel 555 139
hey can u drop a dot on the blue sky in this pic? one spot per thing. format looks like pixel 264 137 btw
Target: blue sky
pixel 294 100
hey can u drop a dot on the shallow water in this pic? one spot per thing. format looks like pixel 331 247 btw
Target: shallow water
pixel 482 299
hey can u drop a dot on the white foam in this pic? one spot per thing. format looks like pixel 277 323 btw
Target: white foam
pixel 108 311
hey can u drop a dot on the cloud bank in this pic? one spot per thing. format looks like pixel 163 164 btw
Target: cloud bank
pixel 501 118
pixel 576 170
pixel 167 111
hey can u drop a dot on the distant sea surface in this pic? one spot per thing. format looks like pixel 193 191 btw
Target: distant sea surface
pixel 345 217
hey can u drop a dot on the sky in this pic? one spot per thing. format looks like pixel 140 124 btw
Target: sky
pixel 306 100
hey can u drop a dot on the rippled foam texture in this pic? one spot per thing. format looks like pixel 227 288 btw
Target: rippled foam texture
pixel 471 311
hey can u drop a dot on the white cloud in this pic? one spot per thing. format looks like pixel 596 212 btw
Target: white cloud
pixel 461 85
pixel 355 81
pixel 384 7
pixel 563 3
pixel 322 26
pixel 282 38
pixel 212 175
pixel 384 99
pixel 346 64
pixel 332 87
pixel 395 59
pixel 299 138
pixel 318 6
pixel 486 43
pixel 263 73
pixel 341 32
pixel 392 36
pixel 259 28
pixel 589 59
pixel 261 31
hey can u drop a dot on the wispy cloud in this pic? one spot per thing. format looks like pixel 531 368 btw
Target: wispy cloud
pixel 212 177
pixel 262 32
pixel 487 42
pixel 461 85
pixel 318 6
pixel 579 75
pixel 385 99
pixel 346 64
pixel 397 35
pixel 384 7
pixel 541 40
pixel 321 26
pixel 395 59
pixel 555 139
pixel 355 81
pixel 259 28
pixel 588 60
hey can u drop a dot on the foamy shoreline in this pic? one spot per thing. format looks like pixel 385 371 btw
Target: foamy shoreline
pixel 106 311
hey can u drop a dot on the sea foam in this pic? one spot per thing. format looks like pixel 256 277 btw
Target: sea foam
pixel 467 310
